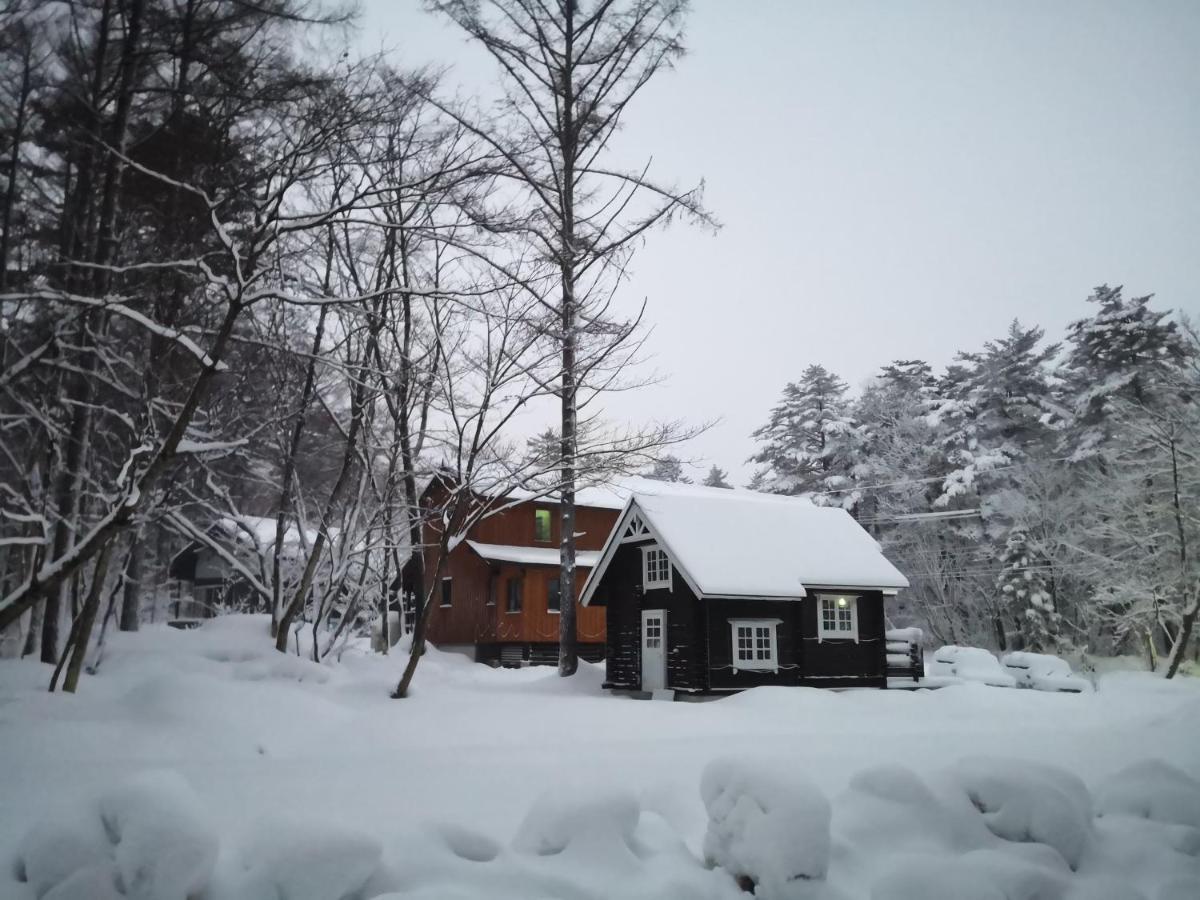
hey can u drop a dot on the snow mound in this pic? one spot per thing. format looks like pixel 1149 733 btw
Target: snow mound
pixel 289 860
pixel 50 853
pixel 1030 803
pixel 970 664
pixel 165 846
pixel 1044 672
pixel 1152 789
pixel 603 821
pixel 772 829
pixel 280 666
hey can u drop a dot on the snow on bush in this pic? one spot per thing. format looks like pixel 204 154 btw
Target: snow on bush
pixel 165 846
pixel 95 882
pixel 1152 789
pixel 1029 802
pixel 970 664
pixel 52 852
pixel 770 828
pixel 287 860
pixel 1044 672
pixel 594 824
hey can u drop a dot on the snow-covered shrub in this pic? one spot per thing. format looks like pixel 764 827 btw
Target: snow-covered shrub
pixel 287 860
pixel 52 852
pixel 770 828
pixel 1152 789
pixel 94 882
pixel 1029 802
pixel 165 845
pixel 599 819
pixel 970 664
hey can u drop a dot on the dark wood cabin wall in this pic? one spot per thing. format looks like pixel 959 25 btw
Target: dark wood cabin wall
pixel 789 650
pixel 621 590
pixel 842 663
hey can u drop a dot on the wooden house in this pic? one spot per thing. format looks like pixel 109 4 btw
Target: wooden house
pixel 709 590
pixel 498 599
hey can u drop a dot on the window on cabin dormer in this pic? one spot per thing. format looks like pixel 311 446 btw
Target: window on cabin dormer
pixel 656 568
pixel 541 525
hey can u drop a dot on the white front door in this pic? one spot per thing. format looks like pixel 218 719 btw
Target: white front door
pixel 654 649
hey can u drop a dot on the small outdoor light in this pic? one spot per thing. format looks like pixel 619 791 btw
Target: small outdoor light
pixel 841 601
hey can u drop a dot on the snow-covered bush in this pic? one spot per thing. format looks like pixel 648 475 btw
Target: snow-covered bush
pixel 52 852
pixel 165 845
pixel 970 664
pixel 94 882
pixel 770 828
pixel 1030 803
pixel 1152 789
pixel 287 860
pixel 601 822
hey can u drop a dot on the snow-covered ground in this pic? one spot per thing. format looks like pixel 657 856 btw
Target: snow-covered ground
pixel 306 782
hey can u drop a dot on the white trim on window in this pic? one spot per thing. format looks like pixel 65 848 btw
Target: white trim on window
pixel 837 617
pixel 755 645
pixel 656 567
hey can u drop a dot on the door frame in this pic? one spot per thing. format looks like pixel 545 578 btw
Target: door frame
pixel 661 615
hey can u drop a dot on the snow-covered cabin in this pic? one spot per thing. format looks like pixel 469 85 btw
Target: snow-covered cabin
pixel 709 590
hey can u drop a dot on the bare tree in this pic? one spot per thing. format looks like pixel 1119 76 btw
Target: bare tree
pixel 569 71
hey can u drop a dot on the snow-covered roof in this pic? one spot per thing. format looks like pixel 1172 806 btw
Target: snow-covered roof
pixel 739 543
pixel 532 556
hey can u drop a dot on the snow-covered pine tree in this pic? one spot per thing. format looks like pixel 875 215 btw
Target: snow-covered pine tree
pixel 804 447
pixel 668 468
pixel 999 410
pixel 1123 351
pixel 717 477
pixel 1025 594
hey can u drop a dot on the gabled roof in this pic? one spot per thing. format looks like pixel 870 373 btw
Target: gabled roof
pixel 737 543
pixel 531 556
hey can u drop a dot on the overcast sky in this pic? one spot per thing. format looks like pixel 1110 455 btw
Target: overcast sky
pixel 896 179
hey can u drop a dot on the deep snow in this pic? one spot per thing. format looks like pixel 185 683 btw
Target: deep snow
pixel 305 779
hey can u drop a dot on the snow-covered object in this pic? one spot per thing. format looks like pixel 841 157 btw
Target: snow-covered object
pixel 52 852
pixel 1044 672
pixel 1152 789
pixel 970 664
pixel 94 882
pixel 1029 802
pixel 737 543
pixel 557 821
pixel 771 828
pixel 287 860
pixel 165 845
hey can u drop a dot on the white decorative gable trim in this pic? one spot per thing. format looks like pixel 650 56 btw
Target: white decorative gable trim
pixel 635 530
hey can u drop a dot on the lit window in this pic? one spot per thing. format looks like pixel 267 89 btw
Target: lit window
pixel 656 568
pixel 754 644
pixel 541 525
pixel 446 591
pixel 838 617
pixel 513 604
pixel 553 596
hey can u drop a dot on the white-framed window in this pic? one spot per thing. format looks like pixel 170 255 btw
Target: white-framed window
pixel 837 616
pixel 755 646
pixel 447 591
pixel 656 567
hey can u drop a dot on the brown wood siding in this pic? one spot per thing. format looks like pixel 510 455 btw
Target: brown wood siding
pixel 471 620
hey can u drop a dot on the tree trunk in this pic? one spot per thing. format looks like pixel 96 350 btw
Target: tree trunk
pixel 131 598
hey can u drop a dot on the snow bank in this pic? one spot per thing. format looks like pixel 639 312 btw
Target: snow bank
pixel 1152 789
pixel 1044 672
pixel 95 882
pixel 772 829
pixel 51 852
pixel 970 664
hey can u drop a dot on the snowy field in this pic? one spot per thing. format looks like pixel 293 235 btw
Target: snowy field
pixel 206 764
